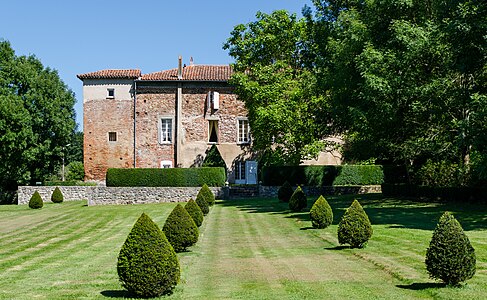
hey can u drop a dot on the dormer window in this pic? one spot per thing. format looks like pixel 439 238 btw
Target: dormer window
pixel 110 93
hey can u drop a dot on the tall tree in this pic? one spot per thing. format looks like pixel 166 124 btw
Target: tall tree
pixel 274 78
pixel 37 117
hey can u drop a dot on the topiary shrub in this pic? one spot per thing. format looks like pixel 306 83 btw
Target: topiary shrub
pixel 214 158
pixel 207 194
pixel 285 192
pixel 354 227
pixel 35 201
pixel 298 200
pixel 180 229
pixel 57 196
pixel 147 264
pixel 195 212
pixel 450 257
pixel 321 213
pixel 202 203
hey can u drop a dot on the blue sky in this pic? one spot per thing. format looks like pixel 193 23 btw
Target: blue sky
pixel 76 37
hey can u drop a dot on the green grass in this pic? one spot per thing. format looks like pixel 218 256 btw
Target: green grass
pixel 252 249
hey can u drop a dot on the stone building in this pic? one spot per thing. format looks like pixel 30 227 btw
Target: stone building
pixel 167 119
pixel 164 119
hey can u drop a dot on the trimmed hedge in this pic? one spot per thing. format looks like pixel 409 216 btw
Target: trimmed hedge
pixel 298 200
pixel 180 229
pixel 173 177
pixel 57 196
pixel 323 175
pixel 195 212
pixel 321 213
pixel 35 201
pixel 459 194
pixel 285 192
pixel 354 227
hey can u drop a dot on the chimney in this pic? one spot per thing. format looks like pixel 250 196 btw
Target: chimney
pixel 191 61
pixel 180 67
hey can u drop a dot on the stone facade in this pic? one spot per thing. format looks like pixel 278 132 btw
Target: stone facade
pixel 70 193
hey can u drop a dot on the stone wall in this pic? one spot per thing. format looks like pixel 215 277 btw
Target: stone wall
pixel 271 191
pixel 70 193
pixel 101 195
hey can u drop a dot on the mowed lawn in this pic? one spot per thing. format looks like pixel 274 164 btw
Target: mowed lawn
pixel 248 249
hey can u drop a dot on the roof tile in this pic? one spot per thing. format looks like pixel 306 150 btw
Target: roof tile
pixel 112 74
pixel 193 73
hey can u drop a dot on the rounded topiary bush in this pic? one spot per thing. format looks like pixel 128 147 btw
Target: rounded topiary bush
pixel 354 227
pixel 285 192
pixel 450 257
pixel 195 212
pixel 207 194
pixel 57 196
pixel 180 229
pixel 147 264
pixel 298 200
pixel 321 213
pixel 202 203
pixel 35 201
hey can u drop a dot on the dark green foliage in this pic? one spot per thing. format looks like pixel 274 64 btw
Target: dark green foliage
pixel 75 171
pixel 450 257
pixel 195 212
pixel 285 192
pixel 214 158
pixel 354 227
pixel 323 175
pixel 202 203
pixel 147 264
pixel 180 229
pixel 175 177
pixel 207 194
pixel 57 196
pixel 35 201
pixel 69 183
pixel 298 200
pixel 321 213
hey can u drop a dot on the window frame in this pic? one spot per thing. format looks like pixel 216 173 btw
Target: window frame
pixel 169 138
pixel 215 121
pixel 112 136
pixel 112 90
pixel 240 140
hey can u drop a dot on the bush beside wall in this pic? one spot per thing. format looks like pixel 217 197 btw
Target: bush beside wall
pixel 174 177
pixel 323 175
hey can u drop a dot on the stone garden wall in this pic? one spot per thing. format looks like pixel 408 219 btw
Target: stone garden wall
pixel 70 193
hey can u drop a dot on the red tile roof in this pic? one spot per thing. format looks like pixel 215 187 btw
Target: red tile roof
pixel 112 74
pixel 193 73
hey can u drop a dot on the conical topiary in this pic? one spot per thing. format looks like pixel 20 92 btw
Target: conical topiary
pixel 450 257
pixel 180 229
pixel 202 203
pixel 147 264
pixel 195 212
pixel 354 227
pixel 285 192
pixel 321 213
pixel 57 196
pixel 298 200
pixel 35 201
pixel 207 194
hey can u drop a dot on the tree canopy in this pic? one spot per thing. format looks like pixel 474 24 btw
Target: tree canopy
pixel 37 118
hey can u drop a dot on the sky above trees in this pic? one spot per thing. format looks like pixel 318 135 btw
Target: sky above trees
pixel 76 37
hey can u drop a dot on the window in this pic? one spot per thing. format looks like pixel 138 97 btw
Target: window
pixel 112 136
pixel 243 131
pixel 239 171
pixel 213 131
pixel 165 132
pixel 166 164
pixel 110 93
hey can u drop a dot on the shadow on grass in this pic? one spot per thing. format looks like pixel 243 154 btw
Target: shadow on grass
pixel 307 228
pixel 116 294
pixel 338 248
pixel 395 212
pixel 417 286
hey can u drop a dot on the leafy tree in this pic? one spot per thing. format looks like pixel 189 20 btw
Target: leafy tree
pixel 147 264
pixel 35 201
pixel 75 171
pixel 354 227
pixel 273 77
pixel 298 200
pixel 321 213
pixel 450 257
pixel 285 192
pixel 195 212
pixel 180 229
pixel 37 117
pixel 57 196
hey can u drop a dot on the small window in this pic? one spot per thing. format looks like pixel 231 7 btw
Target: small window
pixel 240 171
pixel 213 131
pixel 166 131
pixel 110 93
pixel 112 136
pixel 243 131
pixel 166 164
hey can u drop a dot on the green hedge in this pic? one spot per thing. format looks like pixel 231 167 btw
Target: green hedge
pixel 69 183
pixel 323 175
pixel 173 177
pixel 453 194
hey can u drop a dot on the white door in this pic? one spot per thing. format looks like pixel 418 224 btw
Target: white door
pixel 251 168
